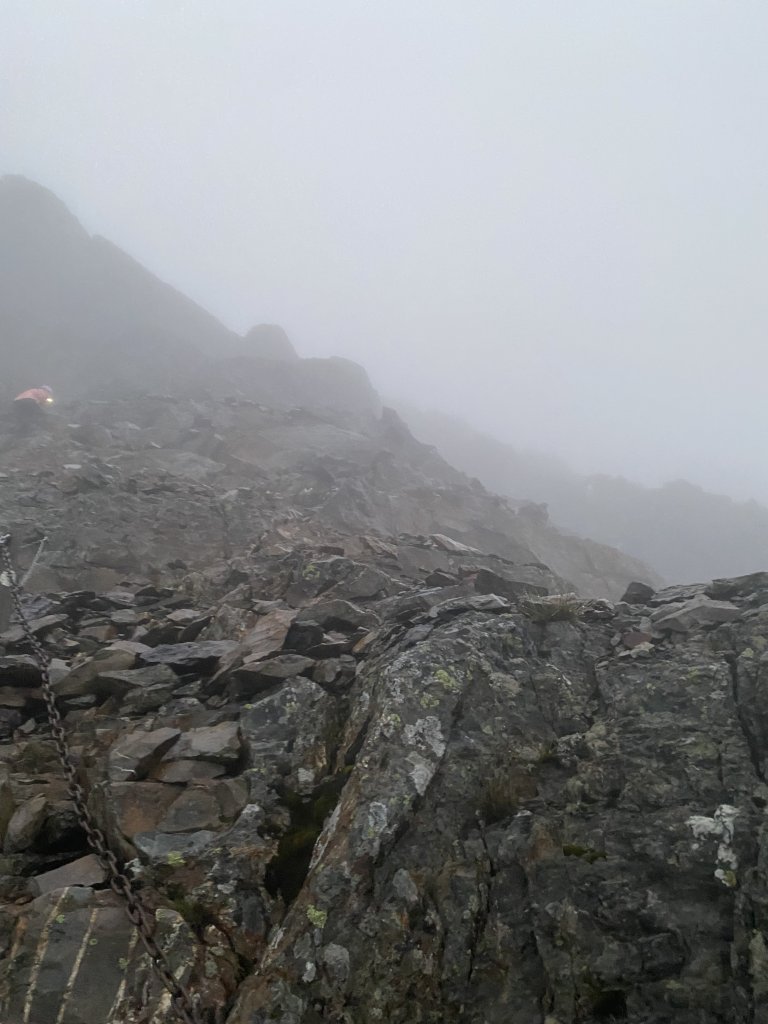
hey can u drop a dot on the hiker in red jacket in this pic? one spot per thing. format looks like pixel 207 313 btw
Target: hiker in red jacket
pixel 29 405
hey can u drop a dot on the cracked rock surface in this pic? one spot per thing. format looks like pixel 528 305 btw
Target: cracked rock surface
pixel 420 804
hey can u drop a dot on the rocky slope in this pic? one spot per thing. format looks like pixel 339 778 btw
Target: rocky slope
pixel 94 324
pixel 157 484
pixel 404 785
pixel 722 536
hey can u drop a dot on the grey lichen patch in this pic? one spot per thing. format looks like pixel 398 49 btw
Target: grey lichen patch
pixel 721 826
pixel 426 731
pixel 378 816
pixel 421 772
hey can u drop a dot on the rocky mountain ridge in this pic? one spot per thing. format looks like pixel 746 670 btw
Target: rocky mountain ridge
pixel 374 744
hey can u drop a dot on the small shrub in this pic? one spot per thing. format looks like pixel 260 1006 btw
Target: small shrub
pixel 554 608
pixel 504 791
pixel 586 853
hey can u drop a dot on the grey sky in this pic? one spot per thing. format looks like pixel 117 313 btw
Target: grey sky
pixel 550 217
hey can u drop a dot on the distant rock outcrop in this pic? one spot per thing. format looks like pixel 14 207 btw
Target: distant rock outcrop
pixel 268 341
pixel 722 537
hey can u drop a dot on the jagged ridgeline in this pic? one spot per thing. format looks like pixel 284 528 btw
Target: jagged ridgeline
pixel 374 744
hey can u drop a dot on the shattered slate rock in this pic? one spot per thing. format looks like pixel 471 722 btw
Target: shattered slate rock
pixel 203 656
pixel 699 611
pixel 304 636
pixel 268 635
pixel 337 615
pixel 488 582
pixel 116 682
pixel 220 744
pixel 84 871
pixel 26 824
pixel 741 586
pixel 134 756
pixel 84 678
pixel 185 770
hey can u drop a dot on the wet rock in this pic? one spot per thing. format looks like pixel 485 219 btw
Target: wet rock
pixel 203 657
pixel 335 674
pixel 84 678
pixel 286 735
pixel 441 579
pixel 84 871
pixel 122 682
pixel 304 636
pixel 19 670
pixel 10 720
pixel 269 634
pixel 194 810
pixel 454 546
pixel 25 824
pixel 120 597
pixel 101 634
pixel 64 940
pixel 637 593
pixel 699 611
pixel 220 744
pixel 634 638
pixel 173 849
pixel 677 594
pixel 15 636
pixel 186 770
pixel 137 807
pixel 254 676
pixel 135 755
pixel 126 617
pixel 337 615
pixel 488 582
pixel 7 802
pixel 741 586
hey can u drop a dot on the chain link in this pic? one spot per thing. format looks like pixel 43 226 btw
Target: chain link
pixel 182 1001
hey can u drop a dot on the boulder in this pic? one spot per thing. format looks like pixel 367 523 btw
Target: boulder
pixel 202 657
pixel 135 755
pixel 25 824
pixel 699 611
pixel 638 593
pixel 83 871
pixel 220 744
pixel 337 615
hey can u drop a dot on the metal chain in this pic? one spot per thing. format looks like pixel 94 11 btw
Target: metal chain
pixel 138 914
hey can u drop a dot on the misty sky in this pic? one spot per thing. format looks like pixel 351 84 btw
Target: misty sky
pixel 548 217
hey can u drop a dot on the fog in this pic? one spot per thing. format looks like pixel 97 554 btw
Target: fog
pixel 548 218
